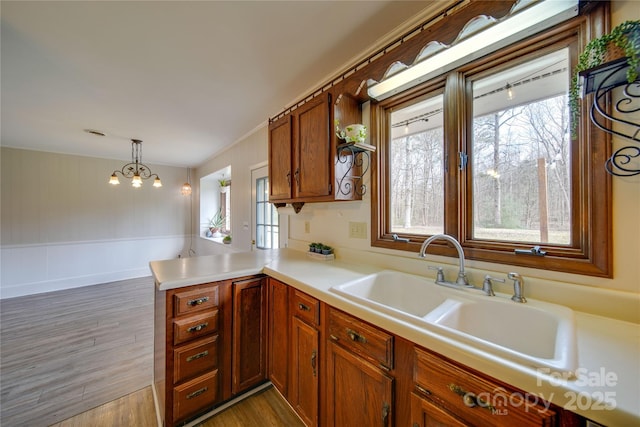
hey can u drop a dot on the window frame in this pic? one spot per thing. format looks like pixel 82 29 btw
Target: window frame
pixel 590 249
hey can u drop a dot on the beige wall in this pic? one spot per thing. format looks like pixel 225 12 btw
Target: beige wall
pixel 246 154
pixel 63 226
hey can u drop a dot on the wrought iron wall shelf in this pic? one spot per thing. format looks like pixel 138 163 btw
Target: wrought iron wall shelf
pixel 609 81
pixel 356 161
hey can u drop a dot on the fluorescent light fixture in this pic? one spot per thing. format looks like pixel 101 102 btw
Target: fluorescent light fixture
pixel 539 16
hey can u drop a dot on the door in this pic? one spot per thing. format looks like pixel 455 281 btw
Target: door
pixel 278 334
pixel 269 229
pixel 304 375
pixel 280 158
pixel 358 393
pixel 248 363
pixel 426 414
pixel 312 150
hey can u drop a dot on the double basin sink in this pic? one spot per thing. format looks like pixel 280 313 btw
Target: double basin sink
pixel 535 334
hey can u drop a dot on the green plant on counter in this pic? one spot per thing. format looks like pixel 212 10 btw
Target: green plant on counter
pixel 227 239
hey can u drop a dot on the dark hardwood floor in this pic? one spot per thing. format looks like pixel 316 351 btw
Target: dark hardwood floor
pixel 63 353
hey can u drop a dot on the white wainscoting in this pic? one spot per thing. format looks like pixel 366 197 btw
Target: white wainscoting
pixel 38 268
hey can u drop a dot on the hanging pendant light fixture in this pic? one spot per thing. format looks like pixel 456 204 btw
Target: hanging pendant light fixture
pixel 186 187
pixel 136 170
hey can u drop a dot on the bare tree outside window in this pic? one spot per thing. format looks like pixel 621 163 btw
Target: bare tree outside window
pixel 521 182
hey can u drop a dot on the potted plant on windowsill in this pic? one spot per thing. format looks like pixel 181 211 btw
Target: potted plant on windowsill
pixel 216 223
pixel 622 42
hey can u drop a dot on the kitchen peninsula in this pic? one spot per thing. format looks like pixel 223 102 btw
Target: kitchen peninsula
pixel 288 287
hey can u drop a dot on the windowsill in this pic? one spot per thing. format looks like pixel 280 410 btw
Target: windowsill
pixel 215 240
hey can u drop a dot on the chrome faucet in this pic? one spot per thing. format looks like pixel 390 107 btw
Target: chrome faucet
pixel 461 281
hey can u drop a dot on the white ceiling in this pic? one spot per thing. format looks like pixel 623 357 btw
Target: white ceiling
pixel 187 78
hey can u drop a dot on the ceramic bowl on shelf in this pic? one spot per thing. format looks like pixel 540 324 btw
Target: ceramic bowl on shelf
pixel 354 133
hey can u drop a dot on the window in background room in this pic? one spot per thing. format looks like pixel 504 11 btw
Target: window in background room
pixel 215 203
pixel 267 227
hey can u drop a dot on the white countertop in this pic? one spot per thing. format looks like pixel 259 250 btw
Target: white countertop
pixel 180 272
pixel 607 390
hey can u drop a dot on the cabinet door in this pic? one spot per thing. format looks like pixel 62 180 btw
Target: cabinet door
pixel 305 371
pixel 426 414
pixel 280 159
pixel 312 161
pixel 358 393
pixel 278 334
pixel 248 365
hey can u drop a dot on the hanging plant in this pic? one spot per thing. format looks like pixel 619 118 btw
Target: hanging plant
pixel 625 37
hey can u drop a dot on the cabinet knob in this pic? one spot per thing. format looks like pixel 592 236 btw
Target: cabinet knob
pixel 197 301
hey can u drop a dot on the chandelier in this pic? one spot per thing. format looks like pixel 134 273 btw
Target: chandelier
pixel 186 187
pixel 136 170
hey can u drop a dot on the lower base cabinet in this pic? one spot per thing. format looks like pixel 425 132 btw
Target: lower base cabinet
pixel 473 399
pixel 249 361
pixel 209 345
pixel 358 393
pixel 305 371
pixel 345 372
pixel 426 414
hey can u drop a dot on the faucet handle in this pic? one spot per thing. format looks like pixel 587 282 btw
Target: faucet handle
pixel 518 287
pixel 439 274
pixel 487 286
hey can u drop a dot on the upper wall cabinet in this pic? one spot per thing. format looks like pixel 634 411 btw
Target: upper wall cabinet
pixel 280 159
pixel 302 155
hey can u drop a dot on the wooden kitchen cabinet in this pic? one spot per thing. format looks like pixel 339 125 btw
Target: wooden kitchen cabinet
pixel 300 154
pixel 448 394
pixel 249 334
pixel 280 159
pixel 426 414
pixel 305 369
pixel 278 340
pixel 359 388
pixel 191 360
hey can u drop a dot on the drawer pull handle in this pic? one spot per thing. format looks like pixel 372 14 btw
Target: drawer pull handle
pixel 385 414
pixel 334 338
pixel 356 336
pixel 469 399
pixel 198 328
pixel 198 356
pixel 314 355
pixel 197 301
pixel 303 307
pixel 197 393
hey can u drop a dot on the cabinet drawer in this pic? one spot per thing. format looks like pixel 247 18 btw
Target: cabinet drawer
pixel 361 338
pixel 195 326
pixel 474 399
pixel 194 359
pixel 305 307
pixel 197 394
pixel 194 301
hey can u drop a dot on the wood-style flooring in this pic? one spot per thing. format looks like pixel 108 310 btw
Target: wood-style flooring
pixel 84 358
pixel 63 353
pixel 264 409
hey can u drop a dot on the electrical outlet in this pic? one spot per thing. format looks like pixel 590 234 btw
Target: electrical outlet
pixel 357 230
pixel 307 227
